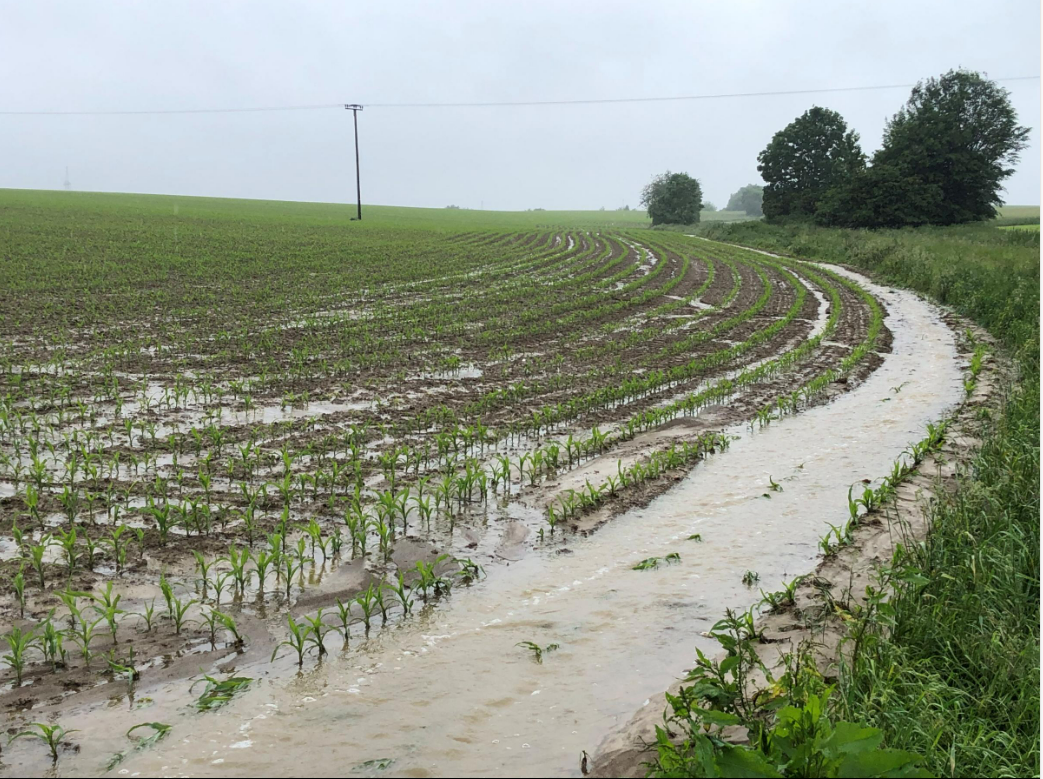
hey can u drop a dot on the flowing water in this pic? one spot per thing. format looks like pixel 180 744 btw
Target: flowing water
pixel 448 693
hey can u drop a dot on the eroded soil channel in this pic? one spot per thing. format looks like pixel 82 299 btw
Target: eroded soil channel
pixel 449 692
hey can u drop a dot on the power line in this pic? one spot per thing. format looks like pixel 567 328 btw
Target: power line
pixel 529 103
pixel 176 111
pixel 497 104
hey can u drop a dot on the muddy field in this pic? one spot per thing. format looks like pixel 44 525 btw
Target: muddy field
pixel 359 468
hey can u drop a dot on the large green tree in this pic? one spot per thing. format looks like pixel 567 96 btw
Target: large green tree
pixel 749 199
pixel 673 198
pixel 881 196
pixel 812 154
pixel 957 136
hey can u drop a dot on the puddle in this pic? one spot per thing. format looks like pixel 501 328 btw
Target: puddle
pixel 447 692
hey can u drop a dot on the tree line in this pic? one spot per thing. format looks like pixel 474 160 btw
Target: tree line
pixel 944 157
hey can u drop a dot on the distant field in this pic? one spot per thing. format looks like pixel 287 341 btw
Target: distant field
pixel 1019 212
pixel 1033 228
pixel 146 206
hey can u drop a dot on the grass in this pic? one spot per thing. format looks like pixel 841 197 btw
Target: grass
pixel 954 675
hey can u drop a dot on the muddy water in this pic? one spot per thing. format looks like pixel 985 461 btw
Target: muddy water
pixel 448 692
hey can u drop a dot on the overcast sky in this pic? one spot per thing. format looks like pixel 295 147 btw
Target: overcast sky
pixel 172 55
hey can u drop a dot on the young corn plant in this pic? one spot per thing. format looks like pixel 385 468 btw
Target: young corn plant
pixel 124 667
pixel 470 571
pixel 290 567
pixel 402 592
pixel 537 651
pixel 54 736
pixel 19 642
pixel 429 582
pixel 262 562
pixel 52 644
pixel 316 632
pixel 148 615
pixel 298 640
pixel 83 635
pixel 107 607
pixel 777 601
pixel 36 556
pixel 159 731
pixel 216 692
pixel 648 564
pixel 344 613
pixel 239 560
pixel 180 612
pixel 18 585
pixel 367 600
pixel 119 546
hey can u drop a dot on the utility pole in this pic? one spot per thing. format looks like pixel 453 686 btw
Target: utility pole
pixel 68 184
pixel 355 108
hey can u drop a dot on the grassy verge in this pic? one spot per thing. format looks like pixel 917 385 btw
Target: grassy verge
pixel 952 673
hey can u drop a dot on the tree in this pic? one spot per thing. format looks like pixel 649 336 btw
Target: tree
pixel 708 206
pixel 749 199
pixel 812 154
pixel 673 198
pixel 881 196
pixel 959 136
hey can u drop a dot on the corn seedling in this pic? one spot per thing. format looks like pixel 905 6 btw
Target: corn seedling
pixel 316 632
pixel 124 667
pixel 18 585
pixel 429 581
pixel 149 615
pixel 537 651
pixel 290 567
pixel 107 607
pixel 401 591
pixel 52 644
pixel 344 613
pixel 179 614
pixel 648 564
pixel 216 692
pixel 36 555
pixel 298 640
pixel 159 732
pixel 367 600
pixel 168 593
pixel 470 571
pixel 54 736
pixel 19 642
pixel 776 601
pixel 238 560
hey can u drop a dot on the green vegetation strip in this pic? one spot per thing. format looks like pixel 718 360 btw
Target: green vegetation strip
pixel 949 670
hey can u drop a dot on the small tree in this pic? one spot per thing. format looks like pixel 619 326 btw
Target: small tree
pixel 812 154
pixel 673 198
pixel 708 206
pixel 749 199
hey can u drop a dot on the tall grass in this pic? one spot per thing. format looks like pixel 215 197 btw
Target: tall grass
pixel 955 675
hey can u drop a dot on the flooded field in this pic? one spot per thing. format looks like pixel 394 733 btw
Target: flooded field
pixel 377 513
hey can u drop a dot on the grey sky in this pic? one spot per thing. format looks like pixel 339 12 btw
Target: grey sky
pixel 151 55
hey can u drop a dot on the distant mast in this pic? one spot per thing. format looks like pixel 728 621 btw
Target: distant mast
pixel 68 184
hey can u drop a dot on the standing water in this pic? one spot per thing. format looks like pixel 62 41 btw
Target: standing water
pixel 449 692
